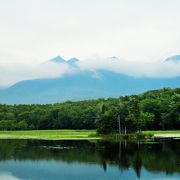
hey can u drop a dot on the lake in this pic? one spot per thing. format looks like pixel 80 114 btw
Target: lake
pixel 79 160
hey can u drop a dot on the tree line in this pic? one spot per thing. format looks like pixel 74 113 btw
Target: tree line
pixel 152 110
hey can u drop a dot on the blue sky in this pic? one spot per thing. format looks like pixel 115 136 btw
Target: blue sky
pixel 32 31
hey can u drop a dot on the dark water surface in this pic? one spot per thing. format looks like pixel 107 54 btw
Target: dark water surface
pixel 79 160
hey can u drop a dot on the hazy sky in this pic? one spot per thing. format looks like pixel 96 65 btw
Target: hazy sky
pixel 32 31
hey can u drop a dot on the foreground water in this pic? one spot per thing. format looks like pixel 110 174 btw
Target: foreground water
pixel 78 160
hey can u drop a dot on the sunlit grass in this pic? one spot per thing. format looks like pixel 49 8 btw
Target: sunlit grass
pixel 50 134
pixel 163 132
pixel 71 134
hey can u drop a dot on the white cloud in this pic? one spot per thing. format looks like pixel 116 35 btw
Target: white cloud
pixel 14 72
pixel 164 69
pixel 8 176
pixel 140 32
pixel 135 30
pixel 11 73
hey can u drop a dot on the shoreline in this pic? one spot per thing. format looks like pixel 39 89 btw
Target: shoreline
pixel 85 135
pixel 50 134
pixel 177 136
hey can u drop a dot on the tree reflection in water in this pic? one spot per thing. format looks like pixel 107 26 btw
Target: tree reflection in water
pixel 155 156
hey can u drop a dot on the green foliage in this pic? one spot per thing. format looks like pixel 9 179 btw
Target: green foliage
pixel 152 110
pixel 108 123
pixel 132 136
pixel 146 119
pixel 7 125
pixel 22 125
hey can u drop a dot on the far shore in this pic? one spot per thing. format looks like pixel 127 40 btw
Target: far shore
pixel 164 133
pixel 50 134
pixel 74 134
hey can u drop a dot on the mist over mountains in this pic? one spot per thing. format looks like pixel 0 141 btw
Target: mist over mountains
pixel 175 58
pixel 80 83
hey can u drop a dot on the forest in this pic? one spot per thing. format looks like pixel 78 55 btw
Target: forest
pixel 152 110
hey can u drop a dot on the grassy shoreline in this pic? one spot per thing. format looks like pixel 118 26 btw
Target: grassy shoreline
pixel 50 134
pixel 83 135
pixel 164 133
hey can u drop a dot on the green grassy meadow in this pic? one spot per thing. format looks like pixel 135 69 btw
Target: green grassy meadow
pixel 164 133
pixel 50 134
pixel 71 134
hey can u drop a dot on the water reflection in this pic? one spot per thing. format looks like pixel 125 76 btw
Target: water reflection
pixel 32 159
pixel 7 176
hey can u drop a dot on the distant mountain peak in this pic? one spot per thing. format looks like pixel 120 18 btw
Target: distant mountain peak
pixel 175 58
pixel 72 61
pixel 57 59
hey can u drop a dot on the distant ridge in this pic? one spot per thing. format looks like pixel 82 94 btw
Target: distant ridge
pixel 82 85
pixel 59 59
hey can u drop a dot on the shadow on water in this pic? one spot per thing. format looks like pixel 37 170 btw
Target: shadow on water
pixel 154 157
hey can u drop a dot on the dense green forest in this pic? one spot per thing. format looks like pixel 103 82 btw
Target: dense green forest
pixel 152 110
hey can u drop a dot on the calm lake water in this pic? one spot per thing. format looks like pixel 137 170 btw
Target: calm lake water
pixel 78 160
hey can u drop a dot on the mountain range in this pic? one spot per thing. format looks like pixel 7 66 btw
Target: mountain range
pixel 84 84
